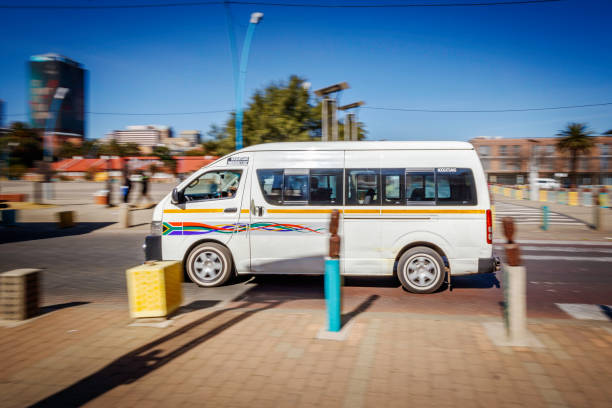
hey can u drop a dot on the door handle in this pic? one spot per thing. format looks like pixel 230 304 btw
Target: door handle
pixel 231 210
pixel 258 211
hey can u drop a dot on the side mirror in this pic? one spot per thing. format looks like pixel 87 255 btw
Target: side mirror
pixel 177 196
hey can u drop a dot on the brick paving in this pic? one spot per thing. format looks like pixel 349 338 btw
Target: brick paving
pixel 263 355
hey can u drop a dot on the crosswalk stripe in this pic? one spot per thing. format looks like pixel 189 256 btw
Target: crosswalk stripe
pixel 531 216
pixel 559 249
pixel 566 258
pixel 586 312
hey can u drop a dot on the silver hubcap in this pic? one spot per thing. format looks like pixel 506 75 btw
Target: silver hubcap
pixel 208 266
pixel 421 271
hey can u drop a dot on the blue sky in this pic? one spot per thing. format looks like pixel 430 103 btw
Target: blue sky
pixel 179 60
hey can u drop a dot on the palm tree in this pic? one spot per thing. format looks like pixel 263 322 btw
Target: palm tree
pixel 575 139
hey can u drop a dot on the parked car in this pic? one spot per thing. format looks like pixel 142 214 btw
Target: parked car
pixel 548 183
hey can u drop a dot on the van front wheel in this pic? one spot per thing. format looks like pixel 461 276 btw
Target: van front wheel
pixel 421 270
pixel 209 264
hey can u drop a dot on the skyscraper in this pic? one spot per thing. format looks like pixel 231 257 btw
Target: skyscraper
pixel 47 73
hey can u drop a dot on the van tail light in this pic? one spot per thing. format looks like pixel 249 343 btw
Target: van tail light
pixel 489 227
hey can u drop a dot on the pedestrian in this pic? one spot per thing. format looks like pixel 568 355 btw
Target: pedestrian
pixel 144 192
pixel 126 188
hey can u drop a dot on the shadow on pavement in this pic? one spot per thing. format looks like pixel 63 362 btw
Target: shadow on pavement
pixel 138 363
pixel 59 306
pixel 362 307
pixel 28 231
pixel 480 281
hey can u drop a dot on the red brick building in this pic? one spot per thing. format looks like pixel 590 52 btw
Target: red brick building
pixel 506 161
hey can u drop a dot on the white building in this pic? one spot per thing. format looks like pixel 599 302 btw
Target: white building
pixel 144 136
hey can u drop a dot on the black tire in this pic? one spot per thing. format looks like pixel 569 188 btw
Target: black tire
pixel 209 265
pixel 421 270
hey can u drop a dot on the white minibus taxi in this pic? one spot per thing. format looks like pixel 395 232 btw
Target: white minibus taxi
pixel 415 209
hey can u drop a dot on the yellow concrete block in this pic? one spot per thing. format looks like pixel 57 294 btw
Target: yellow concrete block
pixel 572 198
pixel 155 289
pixel 543 195
pixel 506 192
pixel 519 194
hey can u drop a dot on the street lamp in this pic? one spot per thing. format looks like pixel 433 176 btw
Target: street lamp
pixel 58 98
pixel 329 124
pixel 534 194
pixel 351 131
pixel 244 59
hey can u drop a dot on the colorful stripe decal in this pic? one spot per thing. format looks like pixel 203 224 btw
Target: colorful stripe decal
pixel 195 228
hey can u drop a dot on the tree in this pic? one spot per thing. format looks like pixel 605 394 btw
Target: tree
pixel 281 112
pixel 575 139
pixel 68 150
pixel 23 143
pixel 608 132
pixel 166 157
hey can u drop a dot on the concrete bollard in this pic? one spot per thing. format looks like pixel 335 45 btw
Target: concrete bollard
pixel 519 194
pixel 545 215
pixel 65 219
pixel 155 288
pixel 333 281
pixel 514 288
pixel 543 195
pixel 19 294
pixel 572 198
pixel 603 200
pixel 9 217
pixel 37 195
pixel 125 216
pixel 599 214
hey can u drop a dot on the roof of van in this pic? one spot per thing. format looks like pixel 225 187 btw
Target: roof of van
pixel 364 145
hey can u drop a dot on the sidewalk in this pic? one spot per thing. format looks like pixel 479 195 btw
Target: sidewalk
pixel 257 355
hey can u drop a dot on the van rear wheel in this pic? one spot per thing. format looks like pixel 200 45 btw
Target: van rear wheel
pixel 209 264
pixel 421 270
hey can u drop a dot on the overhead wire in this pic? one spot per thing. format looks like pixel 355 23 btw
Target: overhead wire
pixel 273 4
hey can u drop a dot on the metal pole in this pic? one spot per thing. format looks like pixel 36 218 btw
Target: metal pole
pixel 244 59
pixel 545 217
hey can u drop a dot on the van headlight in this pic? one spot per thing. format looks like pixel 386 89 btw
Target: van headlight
pixel 156 228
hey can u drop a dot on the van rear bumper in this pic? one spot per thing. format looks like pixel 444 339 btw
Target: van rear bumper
pixel 488 265
pixel 153 248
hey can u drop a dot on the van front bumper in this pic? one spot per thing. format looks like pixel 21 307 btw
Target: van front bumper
pixel 152 248
pixel 489 265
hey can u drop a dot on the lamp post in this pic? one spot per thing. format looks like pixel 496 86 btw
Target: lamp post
pixel 244 59
pixel 329 124
pixel 351 130
pixel 534 194
pixel 58 98
pixel 56 103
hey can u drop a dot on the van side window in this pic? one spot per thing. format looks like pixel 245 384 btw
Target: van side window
pixel 296 186
pixel 362 187
pixel 393 189
pixel 213 185
pixel 271 183
pixel 326 186
pixel 420 186
pixel 455 186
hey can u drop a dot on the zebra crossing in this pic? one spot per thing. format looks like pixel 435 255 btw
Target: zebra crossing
pixel 528 215
pixel 582 311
